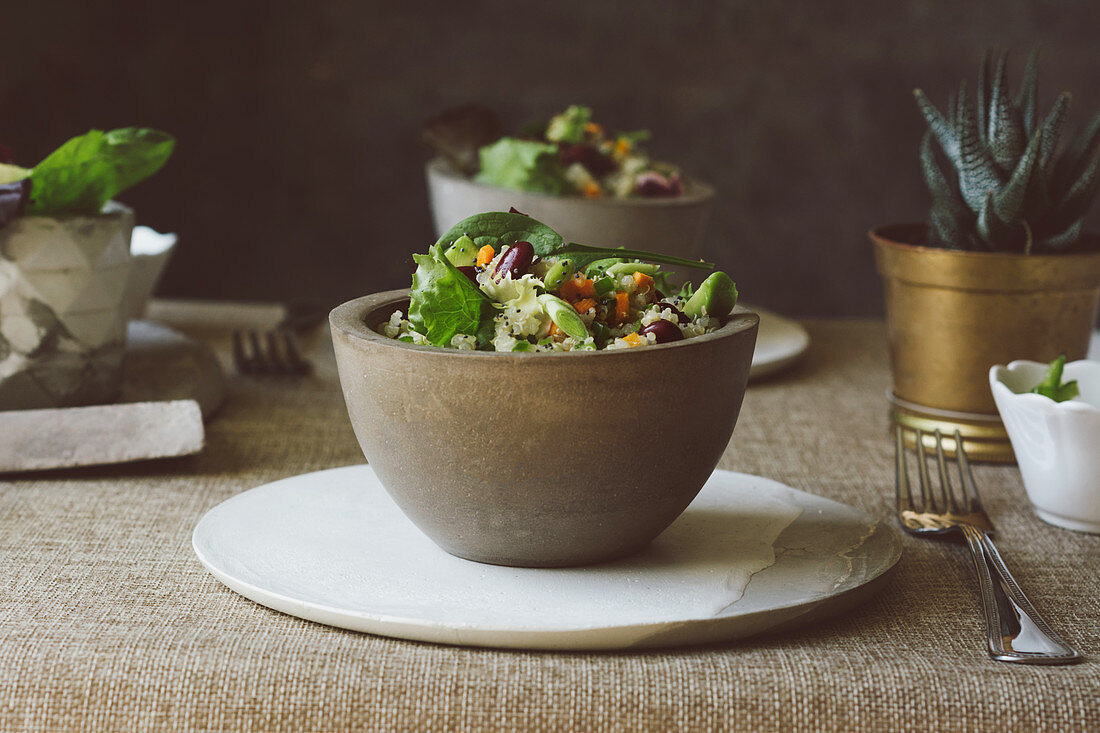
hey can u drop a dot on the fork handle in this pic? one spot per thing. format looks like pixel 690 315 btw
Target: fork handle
pixel 1017 633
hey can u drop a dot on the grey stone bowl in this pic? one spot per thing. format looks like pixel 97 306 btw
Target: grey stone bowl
pixel 673 225
pixel 540 460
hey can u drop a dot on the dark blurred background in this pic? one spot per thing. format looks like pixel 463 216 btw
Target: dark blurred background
pixel 299 170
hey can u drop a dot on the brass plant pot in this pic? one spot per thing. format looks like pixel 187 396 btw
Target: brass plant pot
pixel 951 315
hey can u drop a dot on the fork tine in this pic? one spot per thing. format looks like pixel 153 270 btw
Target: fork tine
pixel 946 489
pixel 279 365
pixel 969 488
pixel 925 484
pixel 242 362
pixel 298 365
pixel 260 361
pixel 904 501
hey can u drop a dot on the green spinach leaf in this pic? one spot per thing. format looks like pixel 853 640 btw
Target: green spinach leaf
pixel 89 170
pixel 583 255
pixel 444 302
pixel 498 228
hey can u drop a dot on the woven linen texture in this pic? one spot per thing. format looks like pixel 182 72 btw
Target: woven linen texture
pixel 108 621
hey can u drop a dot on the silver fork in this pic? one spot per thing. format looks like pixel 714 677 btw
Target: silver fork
pixel 1016 631
pixel 278 354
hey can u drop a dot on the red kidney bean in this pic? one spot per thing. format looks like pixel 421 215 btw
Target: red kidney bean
pixel 663 330
pixel 592 159
pixel 470 272
pixel 515 261
pixel 675 311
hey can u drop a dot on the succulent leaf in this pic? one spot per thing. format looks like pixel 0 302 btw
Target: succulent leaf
pixel 1051 131
pixel 1081 193
pixel 1069 166
pixel 939 125
pixel 977 172
pixel 983 94
pixel 1010 201
pixel 946 232
pixel 1064 239
pixel 1038 197
pixel 1086 144
pixel 949 214
pixel 996 233
pixel 996 95
pixel 1026 98
pixel 1005 134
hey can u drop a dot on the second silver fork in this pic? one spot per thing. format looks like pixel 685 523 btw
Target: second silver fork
pixel 1016 631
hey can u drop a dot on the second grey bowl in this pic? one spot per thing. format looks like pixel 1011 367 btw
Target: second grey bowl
pixel 674 225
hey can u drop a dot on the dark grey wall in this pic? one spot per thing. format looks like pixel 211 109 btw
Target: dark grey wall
pixel 299 165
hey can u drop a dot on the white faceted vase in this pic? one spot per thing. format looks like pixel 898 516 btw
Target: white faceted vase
pixel 63 282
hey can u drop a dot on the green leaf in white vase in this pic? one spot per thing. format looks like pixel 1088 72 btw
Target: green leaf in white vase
pixel 89 170
pixel 1052 385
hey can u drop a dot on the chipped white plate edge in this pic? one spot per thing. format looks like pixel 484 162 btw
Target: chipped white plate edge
pixel 677 632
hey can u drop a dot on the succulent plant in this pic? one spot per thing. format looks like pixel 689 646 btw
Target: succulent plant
pixel 1013 188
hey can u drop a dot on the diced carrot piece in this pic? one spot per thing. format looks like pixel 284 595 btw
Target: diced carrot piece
pixel 583 306
pixel 593 128
pixel 586 288
pixel 642 281
pixel 568 290
pixel 553 329
pixel 633 339
pixel 622 307
pixel 622 146
pixel 591 190
pixel 577 287
pixel 485 255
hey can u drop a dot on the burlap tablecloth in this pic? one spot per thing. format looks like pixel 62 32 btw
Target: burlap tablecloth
pixel 107 620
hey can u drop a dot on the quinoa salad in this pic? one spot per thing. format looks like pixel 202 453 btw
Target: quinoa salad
pixel 502 281
pixel 573 155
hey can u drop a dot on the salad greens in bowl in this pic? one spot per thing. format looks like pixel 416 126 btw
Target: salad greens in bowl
pixel 568 155
pixel 540 455
pixel 503 281
pixel 570 172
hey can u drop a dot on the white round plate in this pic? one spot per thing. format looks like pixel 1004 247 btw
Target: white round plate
pixel 749 554
pixel 780 342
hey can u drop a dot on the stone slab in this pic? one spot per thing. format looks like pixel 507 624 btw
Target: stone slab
pixel 32 440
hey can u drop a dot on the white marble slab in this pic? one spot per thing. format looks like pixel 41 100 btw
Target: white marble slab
pixel 749 554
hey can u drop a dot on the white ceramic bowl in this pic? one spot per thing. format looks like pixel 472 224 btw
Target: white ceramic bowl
pixel 674 225
pixel 149 251
pixel 1057 444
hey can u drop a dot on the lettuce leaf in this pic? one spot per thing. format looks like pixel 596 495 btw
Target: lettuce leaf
pixel 89 170
pixel 522 165
pixel 444 302
pixel 568 127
